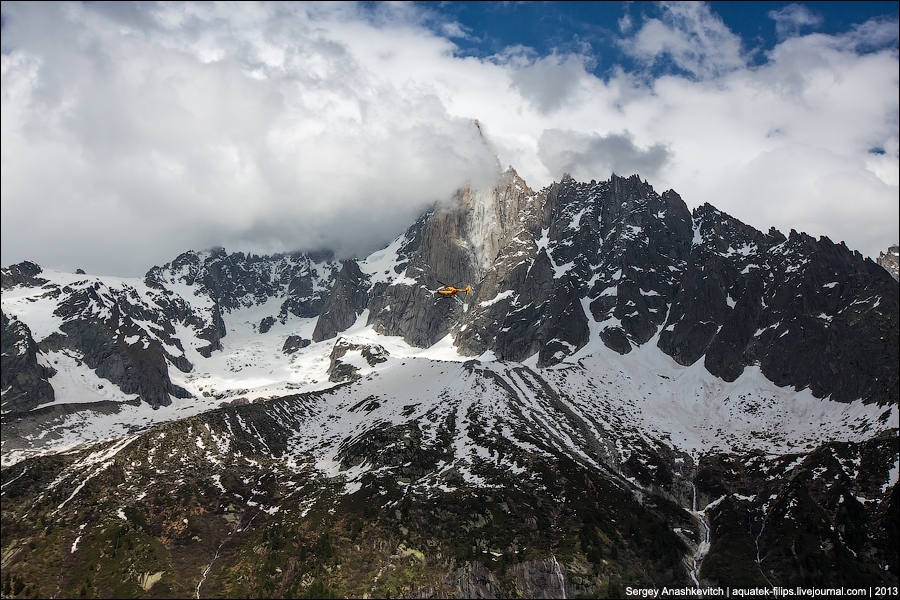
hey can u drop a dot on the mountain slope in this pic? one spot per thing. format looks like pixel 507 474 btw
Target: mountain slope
pixel 435 477
pixel 131 332
pixel 615 255
pixel 551 271
pixel 633 394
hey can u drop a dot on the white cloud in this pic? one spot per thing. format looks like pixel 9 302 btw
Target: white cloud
pixel 136 137
pixel 134 132
pixel 792 18
pixel 454 30
pixel 592 156
pixel 692 36
pixel 550 82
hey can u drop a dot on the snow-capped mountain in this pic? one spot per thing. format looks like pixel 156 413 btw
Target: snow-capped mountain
pixel 632 393
pixel 558 268
pixel 137 333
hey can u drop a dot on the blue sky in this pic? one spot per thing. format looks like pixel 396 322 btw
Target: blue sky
pixel 563 27
pixel 133 132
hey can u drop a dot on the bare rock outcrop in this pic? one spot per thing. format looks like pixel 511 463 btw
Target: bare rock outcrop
pixel 890 260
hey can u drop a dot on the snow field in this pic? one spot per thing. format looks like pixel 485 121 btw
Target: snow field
pixel 597 394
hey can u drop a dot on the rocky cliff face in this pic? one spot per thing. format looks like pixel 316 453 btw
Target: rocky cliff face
pixel 25 273
pixel 616 260
pixel 806 517
pixel 646 396
pixel 231 281
pixel 890 261
pixel 456 243
pixel 551 271
pixel 24 379
pixel 800 308
pixel 130 332
pixel 346 301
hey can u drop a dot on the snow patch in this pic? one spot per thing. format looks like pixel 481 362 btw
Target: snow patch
pixel 497 298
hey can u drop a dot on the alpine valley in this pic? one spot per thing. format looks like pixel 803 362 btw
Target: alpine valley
pixel 632 395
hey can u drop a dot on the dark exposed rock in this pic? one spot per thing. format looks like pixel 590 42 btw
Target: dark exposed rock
pixel 348 298
pixel 457 244
pixel 787 304
pixel 237 280
pixel 546 317
pixel 24 273
pixel 411 309
pixel 414 313
pixel 130 336
pixel 180 362
pixel 100 327
pixel 374 354
pixel 709 286
pixel 702 286
pixel 294 343
pixel 646 239
pixel 134 368
pixel 339 370
pixel 697 310
pixel 734 345
pixel 728 290
pixel 266 324
pixel 890 261
pixel 812 518
pixel 23 379
pixel 305 299
pixel 615 339
pixel 831 323
pixel 389 446
pixel 591 234
pixel 474 580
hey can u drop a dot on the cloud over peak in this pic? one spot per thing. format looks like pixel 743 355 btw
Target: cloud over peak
pixel 592 156
pixel 133 132
pixel 218 125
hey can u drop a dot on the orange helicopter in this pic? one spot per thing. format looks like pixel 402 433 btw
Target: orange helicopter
pixel 451 290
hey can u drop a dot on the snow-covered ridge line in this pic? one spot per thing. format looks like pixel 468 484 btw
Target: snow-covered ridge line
pixel 176 308
pixel 650 396
pixel 608 277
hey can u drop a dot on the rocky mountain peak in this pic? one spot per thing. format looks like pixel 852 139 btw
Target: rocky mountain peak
pixel 130 332
pixel 493 217
pixel 23 273
pixel 652 399
pixel 615 258
pixel 24 380
pixel 890 261
pixel 556 274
